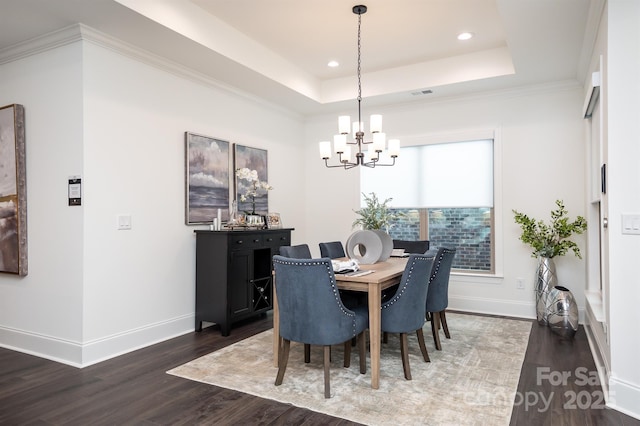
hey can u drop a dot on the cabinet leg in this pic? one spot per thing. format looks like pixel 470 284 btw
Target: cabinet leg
pixel 225 329
pixel 198 325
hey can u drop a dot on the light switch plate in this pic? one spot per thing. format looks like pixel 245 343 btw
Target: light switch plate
pixel 631 224
pixel 124 222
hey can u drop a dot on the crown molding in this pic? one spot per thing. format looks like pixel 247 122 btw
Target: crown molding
pixel 81 32
pixel 43 43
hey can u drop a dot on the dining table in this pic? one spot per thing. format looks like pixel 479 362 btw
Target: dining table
pixel 372 279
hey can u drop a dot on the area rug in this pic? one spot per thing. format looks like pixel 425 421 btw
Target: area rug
pixel 471 381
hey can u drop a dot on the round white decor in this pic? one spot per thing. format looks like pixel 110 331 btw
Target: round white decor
pixel 366 247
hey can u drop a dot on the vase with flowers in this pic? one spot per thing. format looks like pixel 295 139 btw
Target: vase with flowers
pixel 549 240
pixel 252 189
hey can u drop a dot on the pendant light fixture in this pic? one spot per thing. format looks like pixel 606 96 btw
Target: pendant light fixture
pixel 342 147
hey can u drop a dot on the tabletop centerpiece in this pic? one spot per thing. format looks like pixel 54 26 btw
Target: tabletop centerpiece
pixel 372 243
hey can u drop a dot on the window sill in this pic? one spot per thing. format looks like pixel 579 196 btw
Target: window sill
pixel 594 298
pixel 470 277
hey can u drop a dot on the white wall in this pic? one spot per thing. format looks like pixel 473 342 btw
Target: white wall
pixel 623 97
pixel 542 160
pixel 44 309
pixel 92 291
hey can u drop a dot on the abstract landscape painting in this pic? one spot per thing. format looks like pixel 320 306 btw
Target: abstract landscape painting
pixel 13 191
pixel 207 162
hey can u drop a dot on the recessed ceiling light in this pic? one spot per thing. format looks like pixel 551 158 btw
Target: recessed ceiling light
pixel 465 36
pixel 333 64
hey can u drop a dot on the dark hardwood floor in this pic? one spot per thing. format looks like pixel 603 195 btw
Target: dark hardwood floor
pixel 134 388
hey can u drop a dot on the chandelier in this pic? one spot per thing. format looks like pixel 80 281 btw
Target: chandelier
pixel 342 147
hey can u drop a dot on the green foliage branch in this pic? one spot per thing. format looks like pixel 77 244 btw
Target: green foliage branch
pixel 376 214
pixel 551 239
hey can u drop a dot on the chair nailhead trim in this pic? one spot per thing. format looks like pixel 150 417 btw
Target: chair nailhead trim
pixel 334 288
pixel 399 294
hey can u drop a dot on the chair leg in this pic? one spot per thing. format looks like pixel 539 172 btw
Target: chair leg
pixel 404 352
pixel 443 319
pixel 423 347
pixel 385 337
pixel 347 354
pixel 435 326
pixel 282 360
pixel 307 353
pixel 362 349
pixel 327 363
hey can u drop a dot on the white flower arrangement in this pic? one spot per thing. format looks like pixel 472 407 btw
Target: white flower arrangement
pixel 255 186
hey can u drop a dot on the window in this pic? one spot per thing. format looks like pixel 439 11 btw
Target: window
pixel 446 192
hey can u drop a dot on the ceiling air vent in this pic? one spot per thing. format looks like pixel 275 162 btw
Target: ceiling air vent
pixel 422 92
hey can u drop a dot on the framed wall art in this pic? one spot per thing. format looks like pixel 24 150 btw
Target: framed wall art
pixel 13 191
pixel 207 179
pixel 252 196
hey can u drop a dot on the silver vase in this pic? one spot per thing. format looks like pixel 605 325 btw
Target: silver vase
pixel 563 312
pixel 545 281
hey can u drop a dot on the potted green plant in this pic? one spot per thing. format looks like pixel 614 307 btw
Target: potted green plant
pixel 549 240
pixel 373 242
pixel 376 214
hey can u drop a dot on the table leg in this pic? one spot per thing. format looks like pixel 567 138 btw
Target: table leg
pixel 374 333
pixel 276 326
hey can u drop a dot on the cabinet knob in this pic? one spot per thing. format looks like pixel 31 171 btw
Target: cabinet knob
pixel 269 239
pixel 256 240
pixel 239 242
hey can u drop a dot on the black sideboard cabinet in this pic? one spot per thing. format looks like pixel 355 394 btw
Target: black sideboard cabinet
pixel 233 274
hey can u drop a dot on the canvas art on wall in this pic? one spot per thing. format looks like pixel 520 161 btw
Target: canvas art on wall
pixel 207 178
pixel 13 191
pixel 252 159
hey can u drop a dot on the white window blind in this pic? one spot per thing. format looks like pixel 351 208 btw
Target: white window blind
pixel 456 174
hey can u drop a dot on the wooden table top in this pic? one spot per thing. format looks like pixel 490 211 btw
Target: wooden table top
pixel 385 274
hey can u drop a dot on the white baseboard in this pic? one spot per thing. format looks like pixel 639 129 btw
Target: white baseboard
pixel 52 348
pixel 85 354
pixel 510 308
pixel 624 397
pixel 492 306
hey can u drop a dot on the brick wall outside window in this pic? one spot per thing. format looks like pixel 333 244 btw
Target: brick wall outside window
pixel 466 229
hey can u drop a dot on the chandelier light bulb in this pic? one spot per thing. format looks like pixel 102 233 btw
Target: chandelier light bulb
pixel 376 123
pixel 339 143
pixel 344 124
pixel 325 150
pixel 394 147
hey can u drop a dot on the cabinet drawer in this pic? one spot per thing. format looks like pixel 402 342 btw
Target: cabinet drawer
pixel 245 241
pixel 277 239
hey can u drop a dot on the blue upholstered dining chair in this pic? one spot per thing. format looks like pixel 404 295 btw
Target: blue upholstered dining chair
pixel 335 250
pixel 300 251
pixel 418 246
pixel 438 294
pixel 405 311
pixel 312 312
pixel 332 250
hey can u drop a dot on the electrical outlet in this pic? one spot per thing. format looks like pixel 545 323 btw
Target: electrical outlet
pixel 520 283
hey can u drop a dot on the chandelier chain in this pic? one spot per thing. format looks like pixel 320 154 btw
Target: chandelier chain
pixel 359 61
pixel 359 76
